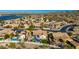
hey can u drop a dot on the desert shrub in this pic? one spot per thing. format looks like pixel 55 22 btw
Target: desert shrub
pixel 44 41
pixel 12 45
pixel 2 47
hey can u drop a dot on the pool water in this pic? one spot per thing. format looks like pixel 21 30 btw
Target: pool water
pixel 14 39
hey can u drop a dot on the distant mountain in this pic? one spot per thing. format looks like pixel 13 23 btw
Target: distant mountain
pixel 35 13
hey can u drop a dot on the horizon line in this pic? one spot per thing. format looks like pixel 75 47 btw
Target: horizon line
pixel 34 11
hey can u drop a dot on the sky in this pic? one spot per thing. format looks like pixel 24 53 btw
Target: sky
pixel 35 11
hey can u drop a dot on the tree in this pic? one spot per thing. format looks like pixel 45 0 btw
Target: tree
pixel 7 36
pixel 31 28
pixel 11 35
pixel 2 22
